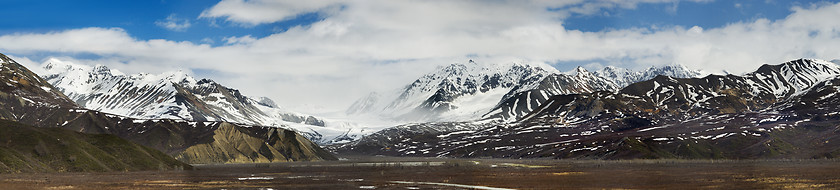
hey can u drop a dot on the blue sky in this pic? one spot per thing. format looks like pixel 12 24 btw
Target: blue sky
pixel 330 47
pixel 139 18
pixel 687 14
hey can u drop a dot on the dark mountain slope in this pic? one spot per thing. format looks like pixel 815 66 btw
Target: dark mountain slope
pixel 665 98
pixel 189 141
pixel 525 98
pixel 29 149
pixel 22 92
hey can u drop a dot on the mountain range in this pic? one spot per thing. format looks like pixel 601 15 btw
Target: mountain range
pixel 789 110
pixel 527 98
pixel 508 110
pixel 178 96
pixel 497 91
pixel 452 93
pixel 28 101
pixel 457 92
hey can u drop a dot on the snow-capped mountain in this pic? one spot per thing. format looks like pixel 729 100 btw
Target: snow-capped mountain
pixel 528 97
pixel 505 92
pixel 675 99
pixel 23 94
pixel 28 99
pixel 788 110
pixel 624 77
pixel 365 104
pixel 176 95
pixel 525 98
pixel 452 93
pixel 516 90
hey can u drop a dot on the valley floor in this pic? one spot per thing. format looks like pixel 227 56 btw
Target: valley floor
pixel 438 173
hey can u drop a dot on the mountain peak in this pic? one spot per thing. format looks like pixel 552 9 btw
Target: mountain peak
pixel 799 65
pixel 268 102
pixel 581 71
pixel 104 70
pixel 205 81
pixel 365 104
pixel 613 72
pixel 100 68
pixel 28 88
pixel 817 61
pixel 797 75
pixel 179 76
pixel 54 65
pixel 612 68
pixel 437 96
pixel 624 77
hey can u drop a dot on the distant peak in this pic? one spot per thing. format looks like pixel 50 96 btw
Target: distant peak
pixel 54 65
pixel 203 81
pixel 101 69
pixel 675 66
pixel 177 74
pixel 819 61
pixel 454 68
pixel 612 70
pixel 807 60
pixel 268 102
pixel 579 71
pixel 373 94
pixel 799 63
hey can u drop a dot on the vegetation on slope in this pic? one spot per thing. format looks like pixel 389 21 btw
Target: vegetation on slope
pixel 30 149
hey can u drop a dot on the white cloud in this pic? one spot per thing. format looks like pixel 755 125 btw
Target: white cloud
pixel 240 40
pixel 28 63
pixel 254 12
pixel 378 45
pixel 172 22
pixel 208 41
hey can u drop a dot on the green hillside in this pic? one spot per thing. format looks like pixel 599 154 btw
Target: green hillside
pixel 29 149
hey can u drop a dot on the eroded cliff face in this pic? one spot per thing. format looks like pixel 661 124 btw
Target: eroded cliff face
pixel 235 144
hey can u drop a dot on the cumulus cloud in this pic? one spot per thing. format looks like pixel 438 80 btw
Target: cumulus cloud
pixel 254 12
pixel 28 63
pixel 239 40
pixel 379 45
pixel 172 22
